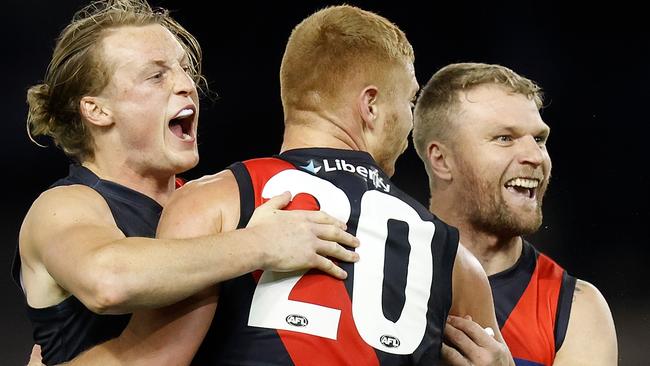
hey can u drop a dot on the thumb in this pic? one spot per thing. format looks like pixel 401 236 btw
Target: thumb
pixel 277 202
pixel 35 358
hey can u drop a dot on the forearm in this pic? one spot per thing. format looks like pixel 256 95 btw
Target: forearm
pixel 166 336
pixel 147 273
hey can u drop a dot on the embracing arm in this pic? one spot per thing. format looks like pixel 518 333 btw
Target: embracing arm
pixel 70 242
pixel 292 240
pixel 591 336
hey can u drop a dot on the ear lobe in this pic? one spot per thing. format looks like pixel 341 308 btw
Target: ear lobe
pixel 95 111
pixel 367 103
pixel 439 160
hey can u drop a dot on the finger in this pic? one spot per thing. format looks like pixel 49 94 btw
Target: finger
pixel 322 217
pixel 451 357
pixel 277 202
pixel 457 338
pixel 332 233
pixel 471 329
pixel 463 343
pixel 330 268
pixel 336 251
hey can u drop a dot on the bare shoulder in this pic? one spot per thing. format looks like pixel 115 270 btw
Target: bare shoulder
pixel 590 304
pixel 591 335
pixel 210 203
pixel 62 226
pixel 59 208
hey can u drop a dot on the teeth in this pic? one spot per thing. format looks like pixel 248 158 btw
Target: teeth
pixel 523 182
pixel 184 113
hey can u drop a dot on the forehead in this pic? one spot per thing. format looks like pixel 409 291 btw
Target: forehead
pixel 139 45
pixel 409 72
pixel 492 106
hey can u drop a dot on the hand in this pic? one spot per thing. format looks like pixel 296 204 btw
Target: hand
pixel 300 239
pixel 468 344
pixel 35 358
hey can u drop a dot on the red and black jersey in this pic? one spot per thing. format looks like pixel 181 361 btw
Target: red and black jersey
pixel 533 303
pixel 391 309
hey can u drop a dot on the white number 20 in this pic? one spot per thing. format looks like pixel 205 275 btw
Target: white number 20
pixel 271 307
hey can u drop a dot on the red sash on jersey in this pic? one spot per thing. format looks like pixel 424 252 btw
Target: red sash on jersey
pixel 529 330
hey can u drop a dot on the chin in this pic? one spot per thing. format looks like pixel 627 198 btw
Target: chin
pixel 185 163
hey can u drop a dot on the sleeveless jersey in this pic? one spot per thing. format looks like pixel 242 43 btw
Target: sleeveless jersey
pixel 533 303
pixel 68 328
pixel 392 307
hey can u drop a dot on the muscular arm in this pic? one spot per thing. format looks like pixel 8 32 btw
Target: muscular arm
pixel 591 336
pixel 70 244
pixel 171 335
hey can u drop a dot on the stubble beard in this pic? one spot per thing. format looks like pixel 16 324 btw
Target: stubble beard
pixel 486 210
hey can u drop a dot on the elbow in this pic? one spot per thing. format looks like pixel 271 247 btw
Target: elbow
pixel 107 296
pixel 108 288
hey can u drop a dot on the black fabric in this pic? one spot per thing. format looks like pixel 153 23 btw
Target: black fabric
pixel 246 193
pixel 564 302
pixel 66 329
pixel 509 285
pixel 232 342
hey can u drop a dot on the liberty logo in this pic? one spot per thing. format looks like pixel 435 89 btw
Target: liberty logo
pixel 311 167
pixel 329 165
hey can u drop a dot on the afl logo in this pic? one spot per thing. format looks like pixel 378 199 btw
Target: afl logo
pixel 296 320
pixel 389 341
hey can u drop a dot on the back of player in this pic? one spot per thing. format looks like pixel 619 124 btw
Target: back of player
pixel 389 311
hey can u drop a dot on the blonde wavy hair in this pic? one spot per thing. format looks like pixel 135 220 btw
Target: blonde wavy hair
pixel 76 70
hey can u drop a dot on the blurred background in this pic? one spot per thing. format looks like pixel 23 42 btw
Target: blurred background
pixel 593 63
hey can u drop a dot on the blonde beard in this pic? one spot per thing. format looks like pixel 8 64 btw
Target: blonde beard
pixel 483 207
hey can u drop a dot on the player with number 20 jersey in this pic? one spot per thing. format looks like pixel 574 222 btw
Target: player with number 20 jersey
pixel 391 309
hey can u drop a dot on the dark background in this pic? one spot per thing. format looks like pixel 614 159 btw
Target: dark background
pixel 591 61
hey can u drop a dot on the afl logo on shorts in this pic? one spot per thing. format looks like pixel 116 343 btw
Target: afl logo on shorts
pixel 297 320
pixel 389 341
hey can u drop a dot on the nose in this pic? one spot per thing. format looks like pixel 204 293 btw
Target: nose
pixel 531 152
pixel 183 82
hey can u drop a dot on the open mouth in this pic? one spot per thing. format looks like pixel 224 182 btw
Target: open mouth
pixel 526 187
pixel 181 124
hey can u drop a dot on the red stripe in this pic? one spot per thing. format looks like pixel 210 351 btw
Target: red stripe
pixel 529 330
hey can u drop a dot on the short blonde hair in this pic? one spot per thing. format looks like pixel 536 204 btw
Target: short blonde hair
pixel 76 70
pixel 334 45
pixel 439 100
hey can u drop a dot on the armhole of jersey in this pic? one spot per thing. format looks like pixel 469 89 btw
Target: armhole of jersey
pixel 564 302
pixel 15 270
pixel 247 205
pixel 452 237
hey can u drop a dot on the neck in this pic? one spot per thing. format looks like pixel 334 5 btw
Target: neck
pixel 159 187
pixel 319 129
pixel 495 253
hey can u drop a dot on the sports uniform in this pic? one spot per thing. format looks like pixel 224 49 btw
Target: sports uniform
pixel 391 309
pixel 533 303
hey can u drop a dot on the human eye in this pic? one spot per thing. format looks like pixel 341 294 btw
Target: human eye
pixel 503 139
pixel 541 139
pixel 157 76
